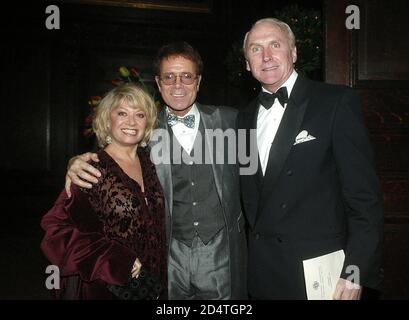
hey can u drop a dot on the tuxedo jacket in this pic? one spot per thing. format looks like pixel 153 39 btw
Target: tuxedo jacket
pixel 319 194
pixel 226 178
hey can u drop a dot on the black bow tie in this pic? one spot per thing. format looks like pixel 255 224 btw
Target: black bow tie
pixel 267 99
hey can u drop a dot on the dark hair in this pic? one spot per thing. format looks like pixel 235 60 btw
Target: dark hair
pixel 175 49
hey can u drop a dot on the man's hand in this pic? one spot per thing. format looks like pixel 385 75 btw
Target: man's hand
pixel 80 172
pixel 136 269
pixel 346 290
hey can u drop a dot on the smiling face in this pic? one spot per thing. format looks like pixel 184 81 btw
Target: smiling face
pixel 127 125
pixel 179 97
pixel 269 56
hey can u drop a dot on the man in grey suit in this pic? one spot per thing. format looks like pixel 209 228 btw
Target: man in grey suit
pixel 205 225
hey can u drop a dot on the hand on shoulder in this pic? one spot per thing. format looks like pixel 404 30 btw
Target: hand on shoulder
pixel 81 172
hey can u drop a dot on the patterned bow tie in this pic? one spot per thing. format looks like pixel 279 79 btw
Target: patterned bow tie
pixel 267 99
pixel 188 121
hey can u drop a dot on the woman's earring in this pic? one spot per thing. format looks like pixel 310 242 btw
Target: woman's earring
pixel 108 140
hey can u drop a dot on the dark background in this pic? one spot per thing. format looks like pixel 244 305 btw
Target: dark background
pixel 47 77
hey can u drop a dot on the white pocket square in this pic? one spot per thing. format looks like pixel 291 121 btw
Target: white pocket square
pixel 303 136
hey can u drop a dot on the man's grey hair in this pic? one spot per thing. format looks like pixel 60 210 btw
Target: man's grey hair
pixel 280 24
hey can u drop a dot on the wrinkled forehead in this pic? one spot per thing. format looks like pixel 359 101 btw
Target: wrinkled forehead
pixel 266 31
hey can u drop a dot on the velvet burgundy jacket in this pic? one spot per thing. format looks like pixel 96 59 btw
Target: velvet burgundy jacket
pixel 95 236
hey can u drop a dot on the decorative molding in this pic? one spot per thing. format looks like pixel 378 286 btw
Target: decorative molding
pixel 199 6
pixel 368 51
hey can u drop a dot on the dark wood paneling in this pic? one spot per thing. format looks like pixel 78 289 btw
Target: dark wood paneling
pixel 52 73
pixel 374 60
pixel 337 41
pixel 396 261
pixel 383 37
pixel 26 108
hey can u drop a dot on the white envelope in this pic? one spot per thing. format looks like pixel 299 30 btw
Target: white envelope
pixel 322 274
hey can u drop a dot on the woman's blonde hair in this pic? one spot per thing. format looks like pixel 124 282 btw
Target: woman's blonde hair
pixel 135 97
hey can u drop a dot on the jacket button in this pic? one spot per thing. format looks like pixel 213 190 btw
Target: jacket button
pixel 289 173
pixel 257 236
pixel 283 206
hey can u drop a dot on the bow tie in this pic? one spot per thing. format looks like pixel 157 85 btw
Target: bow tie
pixel 188 121
pixel 267 99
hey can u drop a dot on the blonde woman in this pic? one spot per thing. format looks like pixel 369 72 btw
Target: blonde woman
pixel 103 236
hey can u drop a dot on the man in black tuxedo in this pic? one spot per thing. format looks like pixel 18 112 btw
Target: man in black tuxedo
pixel 316 190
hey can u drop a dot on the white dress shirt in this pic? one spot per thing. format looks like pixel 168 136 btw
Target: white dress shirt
pixel 268 121
pixel 186 136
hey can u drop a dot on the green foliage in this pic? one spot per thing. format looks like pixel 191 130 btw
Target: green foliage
pixel 307 27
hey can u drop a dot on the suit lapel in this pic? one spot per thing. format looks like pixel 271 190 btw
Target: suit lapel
pixel 259 176
pixel 287 131
pixel 163 168
pixel 254 182
pixel 211 119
